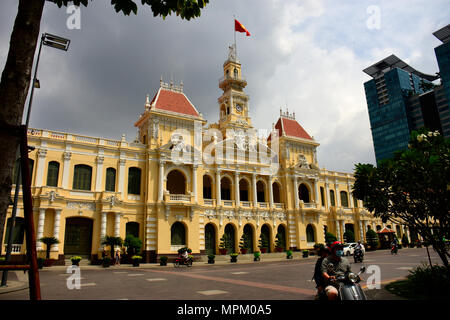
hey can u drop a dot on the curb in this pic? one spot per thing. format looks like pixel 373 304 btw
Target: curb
pixel 14 286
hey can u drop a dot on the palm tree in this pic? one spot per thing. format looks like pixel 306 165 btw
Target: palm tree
pixel 49 241
pixel 112 242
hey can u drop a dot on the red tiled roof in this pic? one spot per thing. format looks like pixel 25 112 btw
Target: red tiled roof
pixel 386 230
pixel 291 128
pixel 174 102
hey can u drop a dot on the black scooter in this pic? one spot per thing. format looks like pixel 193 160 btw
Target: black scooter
pixel 358 255
pixel 348 286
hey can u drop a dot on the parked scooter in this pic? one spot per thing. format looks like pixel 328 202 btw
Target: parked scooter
pixel 348 286
pixel 358 255
pixel 180 261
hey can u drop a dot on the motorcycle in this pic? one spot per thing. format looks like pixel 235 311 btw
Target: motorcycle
pixel 358 255
pixel 394 250
pixel 348 286
pixel 182 262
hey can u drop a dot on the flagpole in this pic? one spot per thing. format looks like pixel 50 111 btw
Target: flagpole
pixel 234 28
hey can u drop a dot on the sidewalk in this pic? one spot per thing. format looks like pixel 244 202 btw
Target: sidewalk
pixel 17 280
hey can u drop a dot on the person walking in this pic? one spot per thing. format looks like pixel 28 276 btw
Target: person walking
pixel 117 257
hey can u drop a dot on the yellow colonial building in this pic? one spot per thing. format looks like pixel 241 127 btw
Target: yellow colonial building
pixel 185 182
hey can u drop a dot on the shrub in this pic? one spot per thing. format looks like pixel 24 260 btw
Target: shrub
pixel 372 239
pixel 289 252
pixel 428 281
pixel 234 254
pixel 163 259
pixel 349 236
pixel 257 254
pixel 211 256
pixel 133 244
pixel 136 257
pixel 330 238
pixel 75 258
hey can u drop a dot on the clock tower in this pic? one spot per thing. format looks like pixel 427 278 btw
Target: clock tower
pixel 233 102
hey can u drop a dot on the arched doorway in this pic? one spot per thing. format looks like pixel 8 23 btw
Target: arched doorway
pixel 349 234
pixel 276 192
pixel 260 191
pixel 177 236
pixel 210 239
pixel 207 187
pixel 303 193
pixel 281 237
pixel 132 228
pixel 248 233
pixel 78 236
pixel 243 190
pixel 310 235
pixel 229 231
pixel 265 238
pixel 176 182
pixel 225 188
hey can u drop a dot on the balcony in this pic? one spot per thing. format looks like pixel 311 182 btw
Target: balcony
pixel 246 204
pixel 278 205
pixel 263 204
pixel 209 202
pixel 227 203
pixel 178 198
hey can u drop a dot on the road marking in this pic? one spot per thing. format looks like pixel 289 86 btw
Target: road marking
pixel 212 292
pixel 405 268
pixel 135 274
pixel 240 272
pixel 120 272
pixel 90 284
pixel 157 279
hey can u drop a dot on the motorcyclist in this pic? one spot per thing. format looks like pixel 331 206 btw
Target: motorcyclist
pixel 335 264
pixel 322 252
pixel 359 246
pixel 184 255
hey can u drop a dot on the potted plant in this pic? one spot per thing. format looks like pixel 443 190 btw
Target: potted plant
pixel 279 243
pixel 244 243
pixel 289 254
pixel 136 260
pixel 163 261
pixel 40 262
pixel 49 241
pixel 263 243
pixel 234 257
pixel 112 242
pixel 256 256
pixel 211 258
pixel 106 262
pixel 305 253
pixel 75 260
pixel 223 244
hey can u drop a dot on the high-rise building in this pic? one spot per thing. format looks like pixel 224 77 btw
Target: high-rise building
pixel 401 99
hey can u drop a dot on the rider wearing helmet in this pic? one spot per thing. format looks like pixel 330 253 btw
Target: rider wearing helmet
pixel 335 264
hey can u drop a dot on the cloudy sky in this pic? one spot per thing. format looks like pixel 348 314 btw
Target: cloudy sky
pixel 306 55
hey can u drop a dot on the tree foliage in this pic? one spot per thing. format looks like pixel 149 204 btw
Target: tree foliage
pixel 412 188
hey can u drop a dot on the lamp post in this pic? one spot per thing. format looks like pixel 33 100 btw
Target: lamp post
pixel 58 43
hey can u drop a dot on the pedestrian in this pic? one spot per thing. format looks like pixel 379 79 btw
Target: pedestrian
pixel 117 257
pixel 322 252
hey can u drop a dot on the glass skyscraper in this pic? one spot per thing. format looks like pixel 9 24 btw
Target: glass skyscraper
pixel 401 99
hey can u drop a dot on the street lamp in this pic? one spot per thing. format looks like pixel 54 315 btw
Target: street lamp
pixel 50 41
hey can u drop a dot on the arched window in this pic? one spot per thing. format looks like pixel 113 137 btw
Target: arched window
pixel 207 188
pixel 235 73
pixel 134 180
pixel 82 177
pixel 16 169
pixel 355 201
pixel 225 189
pixel 344 199
pixel 303 193
pixel 310 236
pixel 332 200
pixel 177 234
pixel 260 194
pixel 17 232
pixel 132 228
pixel 276 193
pixel 322 196
pixel 110 184
pixel 52 174
pixel 243 190
pixel 176 182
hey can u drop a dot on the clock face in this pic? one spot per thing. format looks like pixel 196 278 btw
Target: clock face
pixel 238 108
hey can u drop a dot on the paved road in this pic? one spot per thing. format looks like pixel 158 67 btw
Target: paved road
pixel 274 280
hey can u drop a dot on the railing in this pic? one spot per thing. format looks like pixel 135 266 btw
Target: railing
pixel 15 248
pixel 278 205
pixel 263 204
pixel 179 197
pixel 309 205
pixel 227 203
pixel 246 204
pixel 208 202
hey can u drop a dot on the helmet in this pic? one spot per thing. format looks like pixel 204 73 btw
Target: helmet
pixel 336 244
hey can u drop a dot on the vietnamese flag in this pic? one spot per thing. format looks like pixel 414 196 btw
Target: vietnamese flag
pixel 240 28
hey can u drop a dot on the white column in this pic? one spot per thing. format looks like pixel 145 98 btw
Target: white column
pixel 343 229
pixel 316 192
pixel 350 197
pixel 42 153
pixel 296 193
pixel 40 228
pixel 218 197
pixel 56 224
pixel 161 181
pixel 102 229
pixel 121 176
pixel 327 195
pixel 194 182
pixel 337 194
pixel 66 170
pixel 361 231
pixel 270 192
pixel 338 230
pixel 236 189
pixel 255 196
pixel 98 179
pixel 117 225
